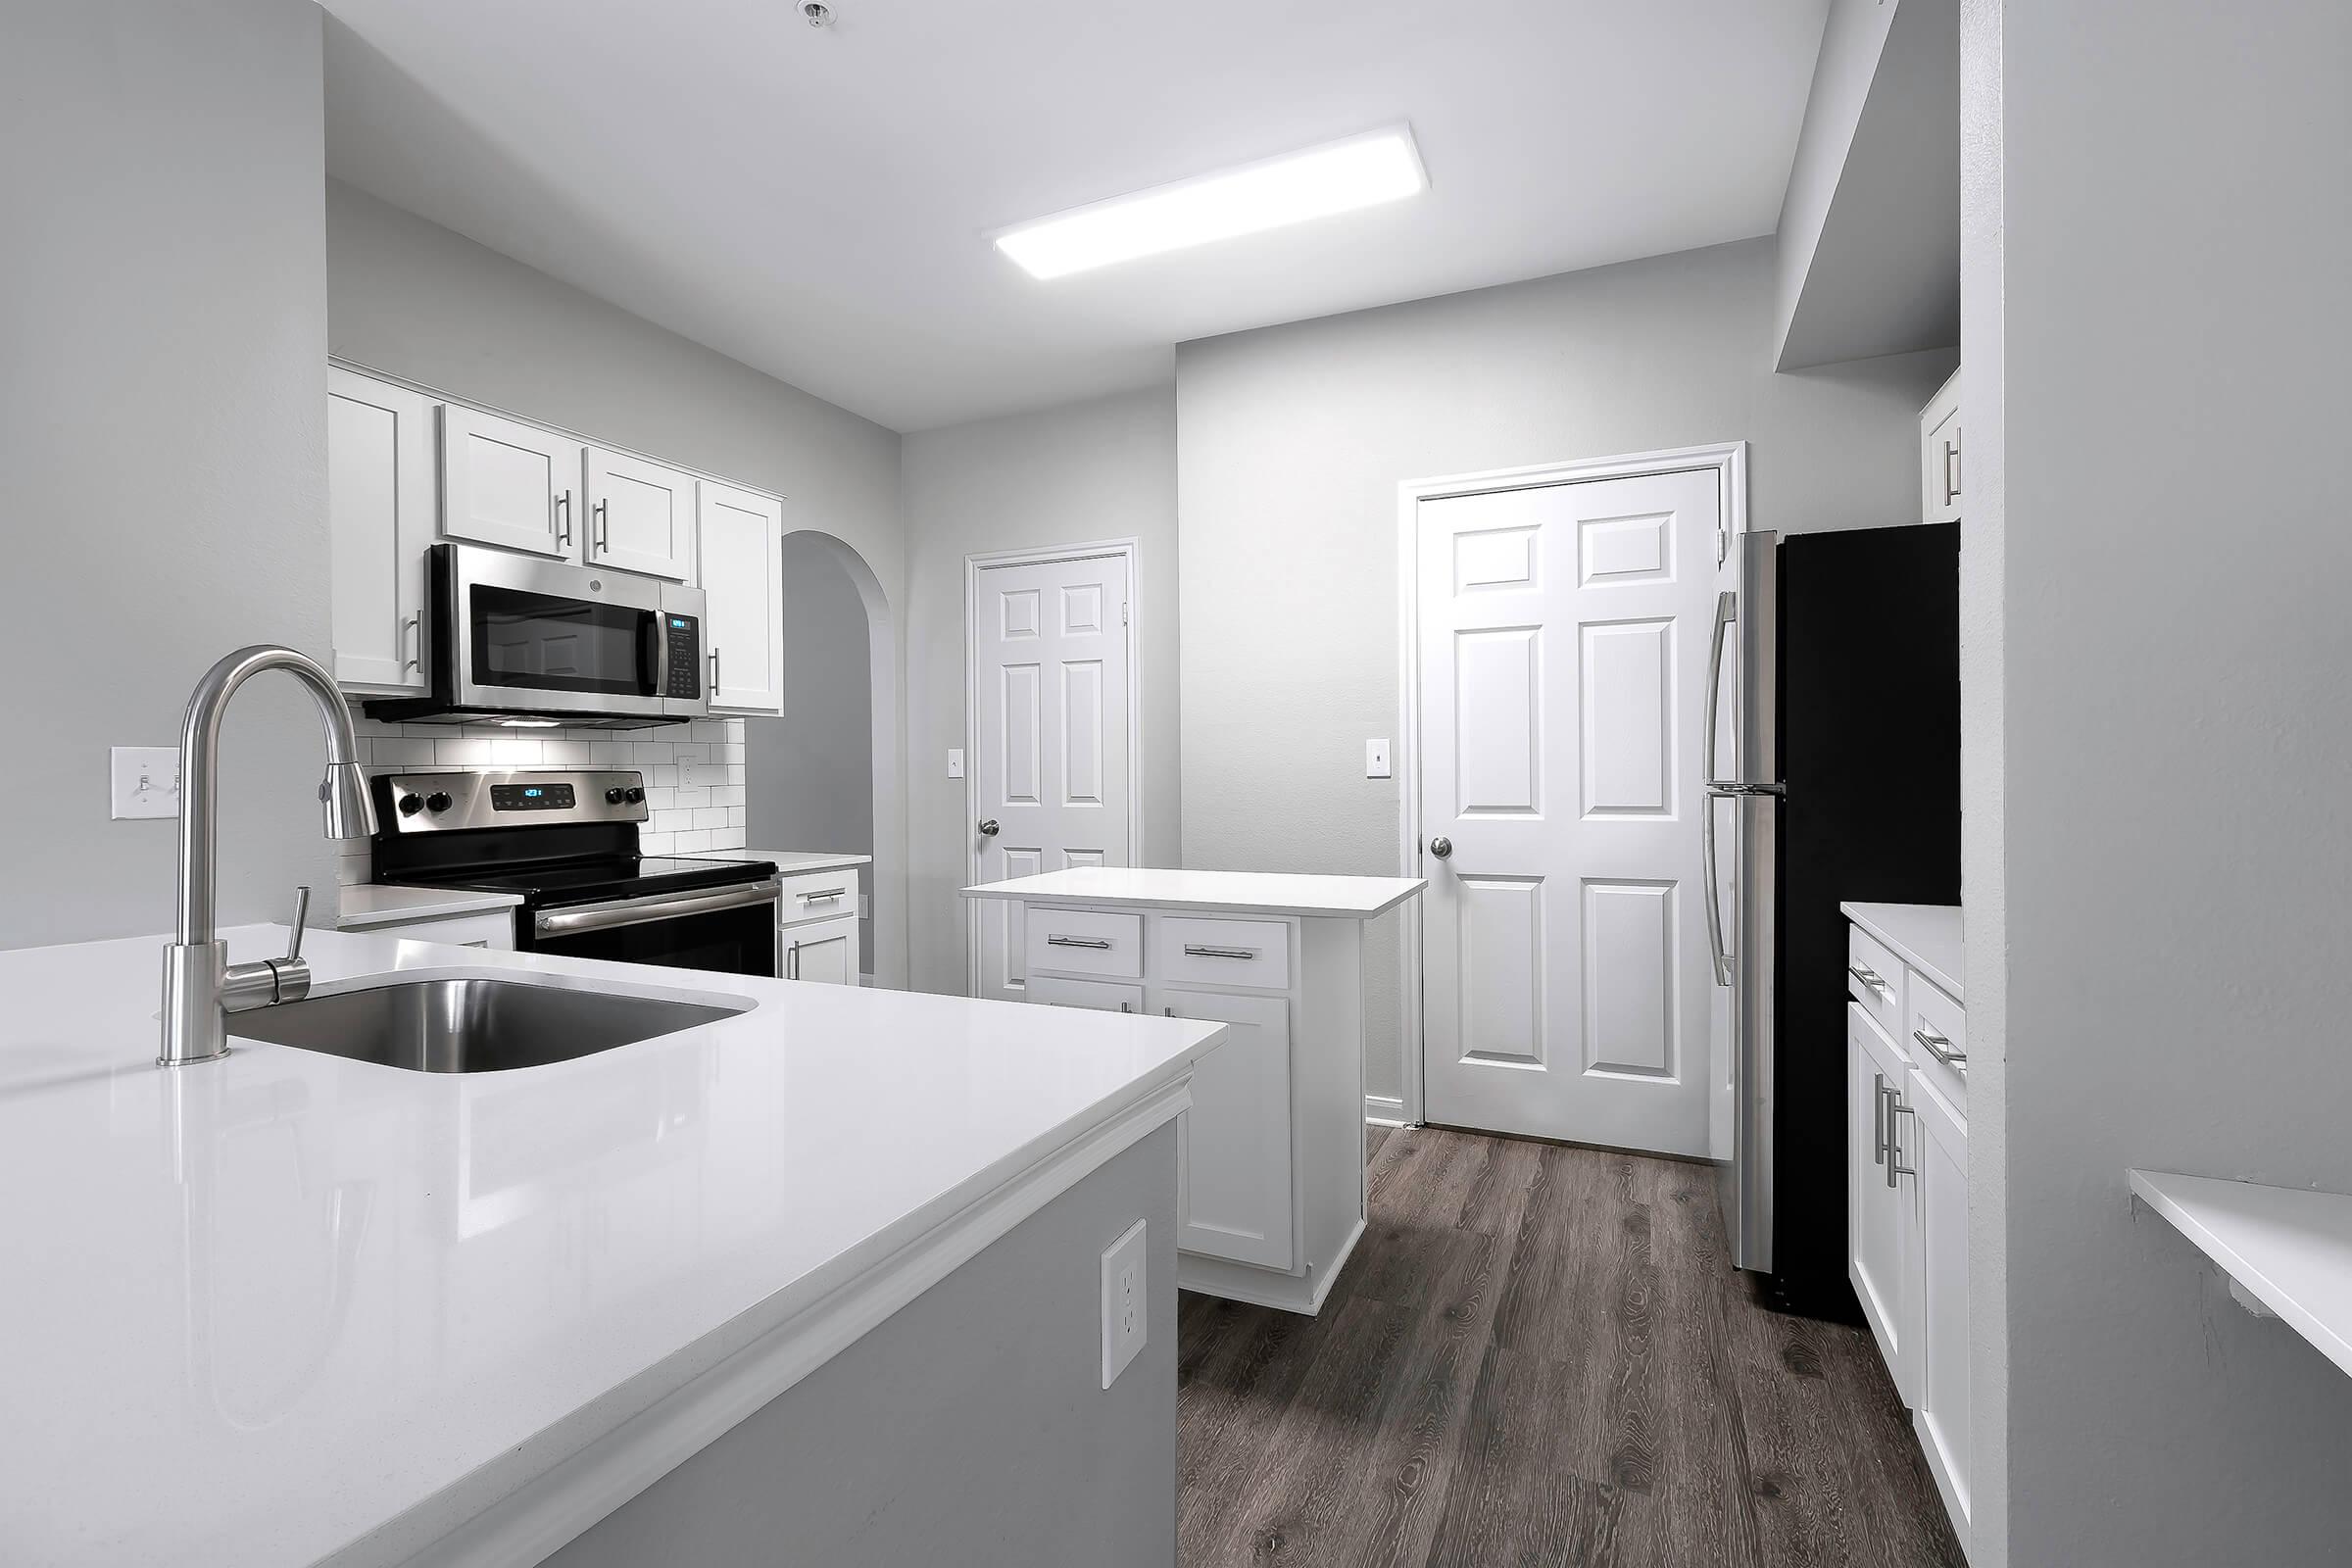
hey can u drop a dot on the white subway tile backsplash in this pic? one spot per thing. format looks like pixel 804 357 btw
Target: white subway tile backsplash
pixel 400 752
pixel 612 753
pixel 727 795
pixel 726 838
pixel 692 753
pixel 514 751
pixel 690 843
pixel 732 751
pixel 656 843
pixel 564 753
pixel 645 753
pixel 461 752
pixel 710 729
pixel 736 816
pixel 683 796
pixel 711 817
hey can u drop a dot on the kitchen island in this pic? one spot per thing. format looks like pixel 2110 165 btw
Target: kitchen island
pixel 822 1274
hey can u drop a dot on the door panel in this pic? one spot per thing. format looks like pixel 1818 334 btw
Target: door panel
pixel 825 952
pixel 742 579
pixel 1051 762
pixel 509 484
pixel 379 507
pixel 1234 1145
pixel 1564 637
pixel 1942 1418
pixel 1879 1233
pixel 1100 996
pixel 640 516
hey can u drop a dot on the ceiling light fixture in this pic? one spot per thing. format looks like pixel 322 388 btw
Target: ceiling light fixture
pixel 1338 176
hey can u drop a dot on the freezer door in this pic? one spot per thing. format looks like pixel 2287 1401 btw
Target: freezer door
pixel 1753 791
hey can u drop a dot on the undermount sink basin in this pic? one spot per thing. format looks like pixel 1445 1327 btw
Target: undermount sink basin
pixel 470 1024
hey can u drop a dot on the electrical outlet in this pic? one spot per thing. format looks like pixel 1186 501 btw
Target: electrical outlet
pixel 1123 1285
pixel 1376 759
pixel 146 781
pixel 956 762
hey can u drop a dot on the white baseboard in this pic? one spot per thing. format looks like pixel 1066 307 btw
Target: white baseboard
pixel 1385 1109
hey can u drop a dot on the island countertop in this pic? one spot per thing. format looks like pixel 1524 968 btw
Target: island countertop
pixel 284 1308
pixel 1357 898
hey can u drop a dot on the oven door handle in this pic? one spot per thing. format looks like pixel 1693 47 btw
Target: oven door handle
pixel 662 906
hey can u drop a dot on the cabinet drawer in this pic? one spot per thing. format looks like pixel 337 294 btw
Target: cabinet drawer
pixel 817 896
pixel 1874 977
pixel 1100 996
pixel 1085 941
pixel 1222 952
pixel 1936 1028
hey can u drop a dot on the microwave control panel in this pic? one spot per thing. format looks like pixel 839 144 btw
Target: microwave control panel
pixel 685 634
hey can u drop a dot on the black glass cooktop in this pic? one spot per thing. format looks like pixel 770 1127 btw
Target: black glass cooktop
pixel 595 881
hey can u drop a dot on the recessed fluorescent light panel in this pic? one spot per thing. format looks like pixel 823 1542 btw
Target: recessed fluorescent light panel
pixel 1339 177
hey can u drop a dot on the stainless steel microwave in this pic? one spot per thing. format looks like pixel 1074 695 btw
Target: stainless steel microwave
pixel 509 637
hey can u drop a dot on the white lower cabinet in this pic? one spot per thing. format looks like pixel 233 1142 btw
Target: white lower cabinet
pixel 1907 1206
pixel 494 931
pixel 1233 1183
pixel 1098 996
pixel 823 951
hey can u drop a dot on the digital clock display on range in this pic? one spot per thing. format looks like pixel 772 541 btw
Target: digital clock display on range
pixel 532 798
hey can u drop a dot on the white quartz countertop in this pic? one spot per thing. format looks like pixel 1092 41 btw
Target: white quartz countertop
pixel 2288 1247
pixel 1925 934
pixel 373 903
pixel 1227 892
pixel 789 862
pixel 284 1308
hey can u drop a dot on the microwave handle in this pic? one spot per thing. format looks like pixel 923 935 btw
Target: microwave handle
pixel 658 652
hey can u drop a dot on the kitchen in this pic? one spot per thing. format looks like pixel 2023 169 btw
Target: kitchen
pixel 314 308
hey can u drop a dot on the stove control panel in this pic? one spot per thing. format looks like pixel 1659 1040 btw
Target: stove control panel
pixel 502 796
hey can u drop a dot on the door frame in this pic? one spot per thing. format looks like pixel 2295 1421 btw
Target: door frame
pixel 1729 460
pixel 1127 549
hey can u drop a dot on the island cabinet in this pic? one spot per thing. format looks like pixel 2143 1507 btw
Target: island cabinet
pixel 1907 1169
pixel 1270 1165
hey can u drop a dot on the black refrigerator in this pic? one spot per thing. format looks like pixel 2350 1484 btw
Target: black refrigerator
pixel 1837 780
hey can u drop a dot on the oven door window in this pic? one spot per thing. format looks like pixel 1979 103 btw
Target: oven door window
pixel 728 940
pixel 540 642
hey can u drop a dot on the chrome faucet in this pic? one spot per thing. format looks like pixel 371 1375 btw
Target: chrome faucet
pixel 201 987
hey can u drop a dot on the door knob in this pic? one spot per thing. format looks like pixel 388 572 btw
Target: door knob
pixel 988 829
pixel 1440 847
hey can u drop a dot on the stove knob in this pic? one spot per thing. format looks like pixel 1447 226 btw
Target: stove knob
pixel 438 801
pixel 410 806
pixel 636 797
pixel 616 795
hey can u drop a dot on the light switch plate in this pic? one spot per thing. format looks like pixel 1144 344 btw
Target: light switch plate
pixel 1376 759
pixel 146 781
pixel 1123 1293
pixel 956 763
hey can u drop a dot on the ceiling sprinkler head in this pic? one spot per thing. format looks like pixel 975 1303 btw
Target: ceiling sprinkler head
pixel 819 14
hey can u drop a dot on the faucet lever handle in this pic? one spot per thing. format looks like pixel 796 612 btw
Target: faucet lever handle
pixel 302 912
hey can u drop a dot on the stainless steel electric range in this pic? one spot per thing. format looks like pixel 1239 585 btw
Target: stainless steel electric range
pixel 567 840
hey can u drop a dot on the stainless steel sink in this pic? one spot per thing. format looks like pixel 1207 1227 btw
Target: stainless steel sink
pixel 470 1025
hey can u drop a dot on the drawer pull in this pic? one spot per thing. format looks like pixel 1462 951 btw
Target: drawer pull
pixel 1869 977
pixel 1878 1120
pixel 1940 1048
pixel 1102 943
pixel 1895 1140
pixel 822 892
pixel 1197 951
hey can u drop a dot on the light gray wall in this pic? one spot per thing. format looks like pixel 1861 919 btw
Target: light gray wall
pixel 1294 439
pixel 414 299
pixel 812 771
pixel 163 469
pixel 2172 181
pixel 1852 36
pixel 970 1428
pixel 1100 469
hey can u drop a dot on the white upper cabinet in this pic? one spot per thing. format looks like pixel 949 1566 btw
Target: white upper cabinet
pixel 379 519
pixel 639 517
pixel 507 483
pixel 1939 455
pixel 742 575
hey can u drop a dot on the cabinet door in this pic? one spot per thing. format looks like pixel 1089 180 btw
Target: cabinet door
pixel 380 523
pixel 1232 1194
pixel 1939 455
pixel 640 516
pixel 823 951
pixel 509 484
pixel 1100 996
pixel 1880 1231
pixel 1935 1142
pixel 742 578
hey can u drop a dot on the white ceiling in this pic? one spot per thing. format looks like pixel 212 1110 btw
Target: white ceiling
pixel 816 203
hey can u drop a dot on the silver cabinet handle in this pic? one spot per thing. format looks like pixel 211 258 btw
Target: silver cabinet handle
pixel 822 892
pixel 407 624
pixel 715 674
pixel 1869 977
pixel 1198 952
pixel 988 828
pixel 1895 1143
pixel 1940 1048
pixel 792 961
pixel 564 520
pixel 1877 1119
pixel 1126 1007
pixel 604 528
pixel 1078 941
pixel 1952 472
pixel 1440 847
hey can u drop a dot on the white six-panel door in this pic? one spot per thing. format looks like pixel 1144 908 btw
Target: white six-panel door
pixel 1049 763
pixel 1564 639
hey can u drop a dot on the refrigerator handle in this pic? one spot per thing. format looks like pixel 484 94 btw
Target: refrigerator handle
pixel 1715 942
pixel 1727 612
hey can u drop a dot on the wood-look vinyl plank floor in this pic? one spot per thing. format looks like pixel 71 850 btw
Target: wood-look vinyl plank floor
pixel 1539 1354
